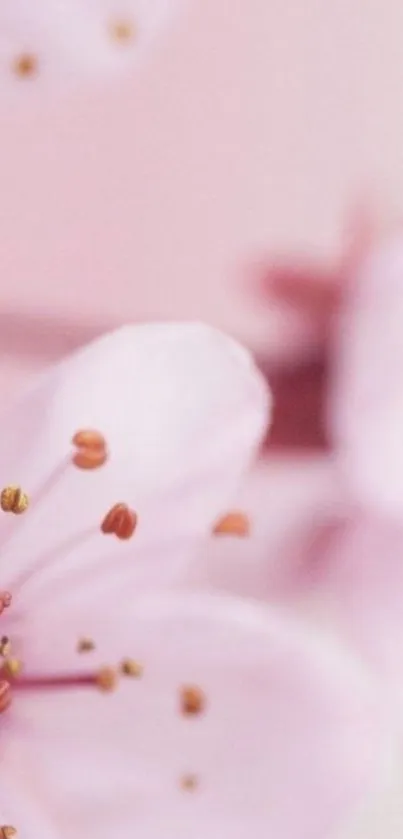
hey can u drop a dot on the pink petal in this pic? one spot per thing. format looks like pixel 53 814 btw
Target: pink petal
pixel 291 736
pixel 282 497
pixel 21 808
pixel 382 817
pixel 182 408
pixel 74 39
pixel 366 411
pixel 357 585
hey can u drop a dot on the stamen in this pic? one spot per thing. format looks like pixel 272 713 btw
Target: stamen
pixel 234 523
pixel 122 31
pixel 91 449
pixel 106 679
pixel 85 645
pixel 5 646
pixel 130 667
pixel 5 600
pixel 7 831
pixel 193 700
pixel 13 500
pixel 12 667
pixel 5 695
pixel 189 782
pixel 58 552
pixel 121 521
pixel 26 65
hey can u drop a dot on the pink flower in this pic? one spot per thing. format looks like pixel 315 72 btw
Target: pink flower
pixel 366 415
pixel 349 561
pixel 228 720
pixel 359 577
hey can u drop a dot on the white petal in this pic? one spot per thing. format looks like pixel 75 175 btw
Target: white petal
pixel 182 408
pixel 22 806
pixel 292 733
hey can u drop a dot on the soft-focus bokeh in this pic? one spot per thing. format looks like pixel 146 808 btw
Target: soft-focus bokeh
pixel 246 135
pixel 244 131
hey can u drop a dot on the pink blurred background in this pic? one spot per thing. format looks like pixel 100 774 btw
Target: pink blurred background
pixel 249 130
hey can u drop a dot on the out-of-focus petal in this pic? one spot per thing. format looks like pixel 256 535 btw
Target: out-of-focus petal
pixel 283 498
pixel 182 408
pixel 356 584
pixel 21 808
pixel 291 733
pixel 382 815
pixel 366 408
pixel 54 40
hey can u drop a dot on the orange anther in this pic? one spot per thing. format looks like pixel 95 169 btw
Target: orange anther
pixel 91 449
pixel 121 521
pixel 233 524
pixel 193 700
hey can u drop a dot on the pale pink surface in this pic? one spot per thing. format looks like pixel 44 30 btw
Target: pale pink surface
pixel 73 41
pixel 355 581
pixel 146 197
pixel 289 717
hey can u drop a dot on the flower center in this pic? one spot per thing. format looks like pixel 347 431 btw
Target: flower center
pixel 13 679
pixel 90 451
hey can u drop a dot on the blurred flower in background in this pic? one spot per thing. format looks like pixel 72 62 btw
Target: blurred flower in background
pixel 326 500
